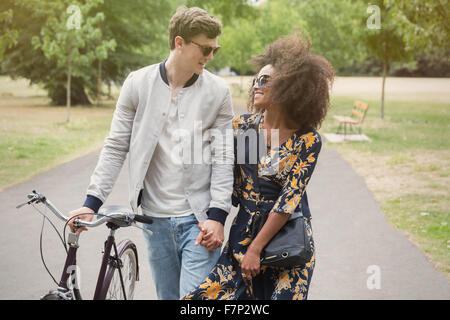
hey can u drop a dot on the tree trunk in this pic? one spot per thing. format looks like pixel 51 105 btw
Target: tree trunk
pixel 57 92
pixel 385 67
pixel 68 91
pixel 109 90
pixel 99 82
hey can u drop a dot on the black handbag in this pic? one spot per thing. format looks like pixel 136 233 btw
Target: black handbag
pixel 291 246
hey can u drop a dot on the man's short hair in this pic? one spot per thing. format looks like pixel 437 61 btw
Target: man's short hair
pixel 190 22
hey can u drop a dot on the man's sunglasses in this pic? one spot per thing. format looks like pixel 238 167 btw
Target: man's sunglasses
pixel 262 81
pixel 207 50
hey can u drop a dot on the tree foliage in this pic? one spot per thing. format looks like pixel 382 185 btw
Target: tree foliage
pixel 335 30
pixel 8 36
pixel 81 44
pixel 139 28
pixel 332 25
pixel 72 41
pixel 226 11
pixel 422 23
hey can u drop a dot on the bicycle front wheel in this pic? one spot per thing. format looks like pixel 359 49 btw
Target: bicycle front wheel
pixel 122 273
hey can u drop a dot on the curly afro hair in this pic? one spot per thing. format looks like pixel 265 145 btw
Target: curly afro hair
pixel 302 81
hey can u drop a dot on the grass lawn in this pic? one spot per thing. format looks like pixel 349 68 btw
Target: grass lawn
pixel 406 166
pixel 35 137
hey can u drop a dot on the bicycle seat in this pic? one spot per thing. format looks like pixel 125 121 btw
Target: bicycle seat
pixel 119 215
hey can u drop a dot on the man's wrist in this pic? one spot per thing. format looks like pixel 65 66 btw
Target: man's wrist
pixel 93 202
pixel 217 214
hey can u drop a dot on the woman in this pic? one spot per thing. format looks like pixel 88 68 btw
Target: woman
pixel 290 97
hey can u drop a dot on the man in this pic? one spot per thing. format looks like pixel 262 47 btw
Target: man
pixel 156 103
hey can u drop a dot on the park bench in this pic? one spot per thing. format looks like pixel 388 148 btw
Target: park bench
pixel 356 118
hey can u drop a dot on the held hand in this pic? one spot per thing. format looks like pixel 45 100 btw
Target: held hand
pixel 250 265
pixel 203 233
pixel 211 234
pixel 87 217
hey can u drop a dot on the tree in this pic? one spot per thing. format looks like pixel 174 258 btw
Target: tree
pixel 423 24
pixel 385 44
pixel 334 29
pixel 24 60
pixel 8 36
pixel 238 50
pixel 247 36
pixel 139 28
pixel 73 39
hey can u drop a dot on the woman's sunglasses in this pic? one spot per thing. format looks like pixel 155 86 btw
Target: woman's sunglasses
pixel 262 81
pixel 207 50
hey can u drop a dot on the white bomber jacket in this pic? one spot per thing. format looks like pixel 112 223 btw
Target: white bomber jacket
pixel 141 110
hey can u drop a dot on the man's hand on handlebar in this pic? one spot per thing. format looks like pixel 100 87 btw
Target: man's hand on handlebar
pixel 86 217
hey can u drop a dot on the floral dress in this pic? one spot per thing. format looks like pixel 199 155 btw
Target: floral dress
pixel 282 190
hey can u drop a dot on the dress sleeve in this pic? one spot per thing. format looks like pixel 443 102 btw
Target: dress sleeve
pixel 298 178
pixel 237 187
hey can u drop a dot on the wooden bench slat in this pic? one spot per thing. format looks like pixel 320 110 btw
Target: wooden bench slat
pixel 345 119
pixel 361 105
pixel 358 114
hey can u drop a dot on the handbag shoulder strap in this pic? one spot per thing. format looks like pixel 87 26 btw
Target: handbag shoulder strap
pixel 255 166
pixel 298 213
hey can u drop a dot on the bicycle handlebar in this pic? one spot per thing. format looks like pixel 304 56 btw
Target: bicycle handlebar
pixel 143 219
pixel 125 216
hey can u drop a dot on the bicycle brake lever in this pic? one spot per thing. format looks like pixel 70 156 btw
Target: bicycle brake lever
pixel 21 205
pixel 33 197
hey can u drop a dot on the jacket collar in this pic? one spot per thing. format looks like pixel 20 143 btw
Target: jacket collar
pixel 162 71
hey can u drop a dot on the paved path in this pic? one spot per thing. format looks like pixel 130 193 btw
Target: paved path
pixel 351 234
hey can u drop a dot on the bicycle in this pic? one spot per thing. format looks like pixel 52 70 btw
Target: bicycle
pixel 118 273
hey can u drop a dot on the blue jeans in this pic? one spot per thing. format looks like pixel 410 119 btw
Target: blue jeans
pixel 177 265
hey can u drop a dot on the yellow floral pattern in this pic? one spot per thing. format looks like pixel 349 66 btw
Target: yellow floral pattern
pixel 294 160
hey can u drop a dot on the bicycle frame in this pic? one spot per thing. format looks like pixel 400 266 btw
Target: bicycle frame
pixel 115 218
pixel 100 289
pixel 70 261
